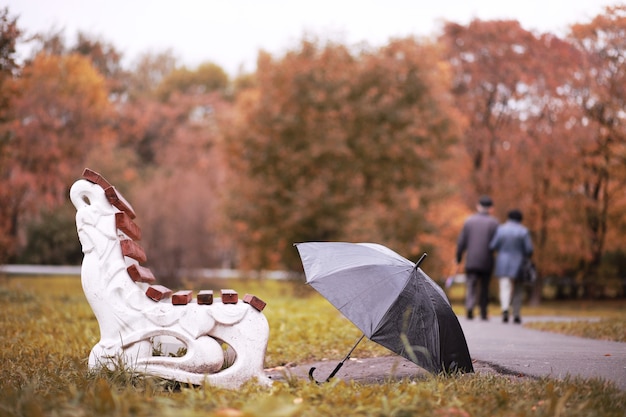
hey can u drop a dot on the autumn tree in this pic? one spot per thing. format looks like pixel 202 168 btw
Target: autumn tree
pixel 206 78
pixel 59 119
pixel 9 33
pixel 60 113
pixel 168 148
pixel 148 72
pixel 333 145
pixel 599 141
pixel 493 66
pixel 178 189
pixel 404 128
pixel 105 58
pixel 513 86
pixel 539 110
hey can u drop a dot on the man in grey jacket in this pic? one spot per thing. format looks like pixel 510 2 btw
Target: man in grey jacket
pixel 477 232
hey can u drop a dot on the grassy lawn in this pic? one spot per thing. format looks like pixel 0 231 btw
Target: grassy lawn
pixel 48 330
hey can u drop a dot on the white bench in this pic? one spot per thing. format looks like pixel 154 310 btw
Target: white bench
pixel 223 340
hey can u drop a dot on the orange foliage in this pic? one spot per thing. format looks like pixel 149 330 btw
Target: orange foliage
pixel 57 117
pixel 390 144
pixel 335 146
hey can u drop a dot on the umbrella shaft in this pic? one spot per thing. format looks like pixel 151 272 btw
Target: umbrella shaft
pixel 353 347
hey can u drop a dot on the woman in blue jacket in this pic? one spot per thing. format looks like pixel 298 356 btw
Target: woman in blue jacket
pixel 512 243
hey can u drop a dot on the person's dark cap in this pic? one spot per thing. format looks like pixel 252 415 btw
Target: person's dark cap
pixel 485 201
pixel 516 215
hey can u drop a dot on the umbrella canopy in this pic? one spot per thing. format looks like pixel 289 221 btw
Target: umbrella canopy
pixel 393 302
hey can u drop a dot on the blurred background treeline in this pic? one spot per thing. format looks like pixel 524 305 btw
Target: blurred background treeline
pixel 328 141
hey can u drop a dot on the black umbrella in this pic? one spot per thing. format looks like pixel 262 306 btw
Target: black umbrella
pixel 391 300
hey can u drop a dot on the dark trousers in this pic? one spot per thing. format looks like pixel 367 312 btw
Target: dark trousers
pixel 477 290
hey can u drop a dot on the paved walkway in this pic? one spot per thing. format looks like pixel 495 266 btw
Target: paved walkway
pixel 514 348
pixel 496 348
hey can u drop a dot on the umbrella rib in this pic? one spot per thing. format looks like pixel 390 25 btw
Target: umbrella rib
pixel 375 319
pixel 379 324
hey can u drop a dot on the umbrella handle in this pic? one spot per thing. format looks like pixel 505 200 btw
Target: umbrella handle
pixel 311 377
pixel 332 374
pixel 339 365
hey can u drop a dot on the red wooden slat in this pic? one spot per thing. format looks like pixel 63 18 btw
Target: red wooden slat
pixel 118 201
pixel 126 225
pixel 230 297
pixel 133 250
pixel 96 178
pixel 254 301
pixel 139 273
pixel 158 292
pixel 205 297
pixel 114 196
pixel 182 297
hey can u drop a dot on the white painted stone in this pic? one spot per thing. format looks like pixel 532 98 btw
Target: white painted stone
pixel 131 323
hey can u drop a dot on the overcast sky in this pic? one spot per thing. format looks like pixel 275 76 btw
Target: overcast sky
pixel 231 32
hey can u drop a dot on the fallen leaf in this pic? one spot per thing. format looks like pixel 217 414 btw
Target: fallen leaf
pixel 228 412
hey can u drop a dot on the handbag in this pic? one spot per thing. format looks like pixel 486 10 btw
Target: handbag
pixel 528 272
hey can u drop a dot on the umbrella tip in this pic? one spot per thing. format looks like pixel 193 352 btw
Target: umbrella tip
pixel 421 259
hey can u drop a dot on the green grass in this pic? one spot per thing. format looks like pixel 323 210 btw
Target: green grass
pixel 48 330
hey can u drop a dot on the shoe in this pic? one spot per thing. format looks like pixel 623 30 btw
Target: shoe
pixel 505 316
pixel 517 320
pixel 470 315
